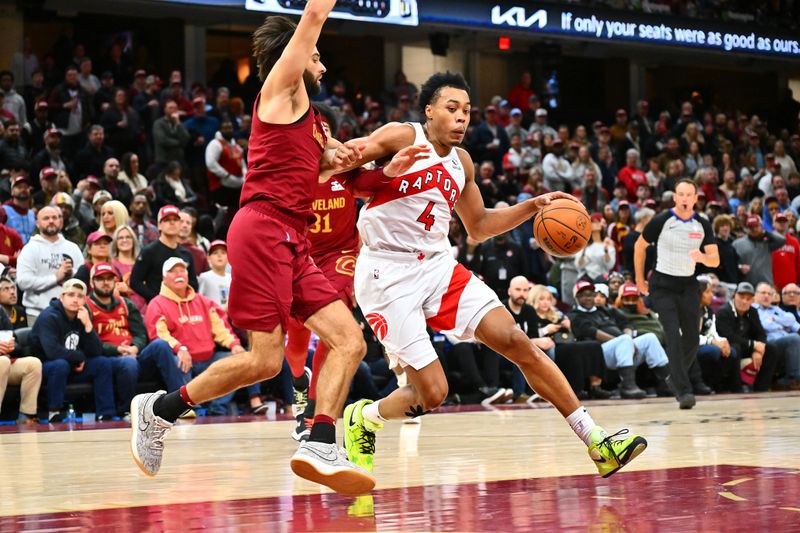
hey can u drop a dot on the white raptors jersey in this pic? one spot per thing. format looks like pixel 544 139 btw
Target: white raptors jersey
pixel 412 212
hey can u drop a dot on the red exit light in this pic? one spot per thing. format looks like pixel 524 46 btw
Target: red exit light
pixel 504 43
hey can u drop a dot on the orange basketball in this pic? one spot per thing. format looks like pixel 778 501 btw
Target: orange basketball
pixel 562 228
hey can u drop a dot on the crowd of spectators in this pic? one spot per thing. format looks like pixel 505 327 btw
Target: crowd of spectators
pixel 118 188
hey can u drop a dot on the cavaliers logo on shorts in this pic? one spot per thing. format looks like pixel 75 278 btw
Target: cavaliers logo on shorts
pixel 346 265
pixel 378 324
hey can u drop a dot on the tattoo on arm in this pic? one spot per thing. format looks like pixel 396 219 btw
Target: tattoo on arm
pixel 414 411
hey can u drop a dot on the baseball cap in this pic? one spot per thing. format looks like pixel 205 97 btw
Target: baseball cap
pixel 141 73
pixel 95 236
pixel 558 140
pixel 621 111
pixel 168 210
pixel 490 109
pixel 151 79
pixel 47 173
pixel 62 198
pixel 781 217
pixel 19 179
pixel 650 203
pixel 73 284
pixel 541 112
pixel 51 131
pixel 93 180
pixel 596 217
pixel 623 203
pixel 503 103
pixel 745 288
pixel 602 288
pixel 103 268
pixel 753 220
pixel 170 263
pixel 583 285
pixel 629 289
pixel 515 111
pixel 216 244
pixel 101 195
pixel 748 372
pixel 41 104
pixel 198 100
pixel 701 193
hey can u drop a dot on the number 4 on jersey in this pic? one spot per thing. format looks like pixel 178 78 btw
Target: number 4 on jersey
pixel 427 218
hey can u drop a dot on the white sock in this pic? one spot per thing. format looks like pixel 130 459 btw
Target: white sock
pixel 372 413
pixel 582 424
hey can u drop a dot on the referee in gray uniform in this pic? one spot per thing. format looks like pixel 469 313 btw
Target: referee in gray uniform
pixel 679 235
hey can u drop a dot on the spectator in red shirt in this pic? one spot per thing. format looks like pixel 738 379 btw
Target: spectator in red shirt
pixel 631 175
pixel 520 93
pixel 786 259
pixel 10 242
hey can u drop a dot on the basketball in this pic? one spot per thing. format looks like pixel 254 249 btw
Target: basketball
pixel 562 228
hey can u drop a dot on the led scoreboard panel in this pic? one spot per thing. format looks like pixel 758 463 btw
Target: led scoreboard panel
pixel 402 12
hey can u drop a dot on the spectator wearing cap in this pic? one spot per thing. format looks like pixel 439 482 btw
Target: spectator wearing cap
pixel 122 124
pixel 50 154
pixel 46 262
pixel 489 140
pixel 146 231
pixel 65 339
pixel 194 326
pixel 139 84
pixel 540 125
pixel 110 182
pixel 515 125
pixel 35 132
pixel 89 82
pixel 92 157
pixel 72 229
pixel 147 272
pixel 597 259
pixel 738 321
pixel 15 369
pixel 682 239
pixel 20 217
pixel 621 351
pixel 558 175
pixel 123 336
pixel 169 136
pixel 786 259
pixel 100 198
pixel 642 319
pixel 71 110
pixel 755 250
pixel 719 360
pixel 98 250
pixel 83 196
pixel 48 181
pixel 215 283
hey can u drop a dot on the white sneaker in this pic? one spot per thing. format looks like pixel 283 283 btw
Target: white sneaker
pixel 328 465
pixel 147 433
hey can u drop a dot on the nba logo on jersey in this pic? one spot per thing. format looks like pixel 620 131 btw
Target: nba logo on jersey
pixel 376 274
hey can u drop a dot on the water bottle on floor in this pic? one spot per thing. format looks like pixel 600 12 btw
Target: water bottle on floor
pixel 70 415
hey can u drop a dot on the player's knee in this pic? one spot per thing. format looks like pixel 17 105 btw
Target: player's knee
pixel 433 396
pixel 263 366
pixel 514 342
pixel 354 347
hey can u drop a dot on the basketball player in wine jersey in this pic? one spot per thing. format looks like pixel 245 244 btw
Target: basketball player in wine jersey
pixel 273 275
pixel 406 278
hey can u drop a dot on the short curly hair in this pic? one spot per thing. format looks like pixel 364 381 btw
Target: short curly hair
pixel 431 89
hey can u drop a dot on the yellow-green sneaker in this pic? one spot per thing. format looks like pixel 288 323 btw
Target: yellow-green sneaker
pixel 359 435
pixel 610 454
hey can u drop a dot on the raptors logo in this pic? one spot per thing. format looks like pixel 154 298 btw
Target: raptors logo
pixel 378 324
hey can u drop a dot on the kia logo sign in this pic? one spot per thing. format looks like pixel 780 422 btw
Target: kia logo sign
pixel 516 16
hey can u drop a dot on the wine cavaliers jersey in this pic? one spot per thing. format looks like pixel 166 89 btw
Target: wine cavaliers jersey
pixel 333 229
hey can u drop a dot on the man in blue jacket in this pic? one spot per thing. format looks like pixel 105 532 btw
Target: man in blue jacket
pixel 64 337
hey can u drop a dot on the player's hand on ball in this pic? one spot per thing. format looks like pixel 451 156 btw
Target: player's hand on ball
pixel 405 159
pixel 545 199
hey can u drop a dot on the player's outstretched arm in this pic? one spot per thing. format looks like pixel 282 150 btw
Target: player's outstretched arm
pixel 287 74
pixel 482 223
pixel 384 142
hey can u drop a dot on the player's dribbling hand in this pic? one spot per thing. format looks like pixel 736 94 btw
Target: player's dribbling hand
pixel 545 199
pixel 405 159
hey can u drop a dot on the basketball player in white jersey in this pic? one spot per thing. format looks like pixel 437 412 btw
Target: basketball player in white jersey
pixel 406 278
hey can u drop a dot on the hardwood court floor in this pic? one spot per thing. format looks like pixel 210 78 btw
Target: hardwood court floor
pixel 730 464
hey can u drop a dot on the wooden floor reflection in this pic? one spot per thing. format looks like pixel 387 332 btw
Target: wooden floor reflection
pixel 730 464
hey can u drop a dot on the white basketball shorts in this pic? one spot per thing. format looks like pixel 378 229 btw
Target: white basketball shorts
pixel 402 293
